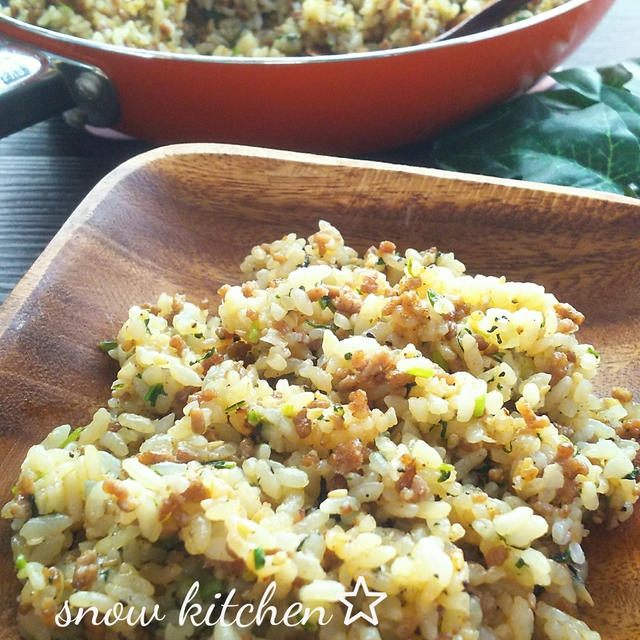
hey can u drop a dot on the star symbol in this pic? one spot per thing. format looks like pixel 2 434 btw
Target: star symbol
pixel 371 617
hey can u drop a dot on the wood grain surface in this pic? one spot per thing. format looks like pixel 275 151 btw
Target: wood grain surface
pixel 47 169
pixel 180 219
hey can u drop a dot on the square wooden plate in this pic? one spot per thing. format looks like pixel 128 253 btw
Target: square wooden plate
pixel 181 218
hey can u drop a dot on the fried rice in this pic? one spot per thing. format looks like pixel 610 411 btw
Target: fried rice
pixel 384 416
pixel 255 27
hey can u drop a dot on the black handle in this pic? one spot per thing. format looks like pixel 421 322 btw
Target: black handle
pixel 35 85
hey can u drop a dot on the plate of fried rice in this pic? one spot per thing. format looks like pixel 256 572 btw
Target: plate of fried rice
pixel 365 402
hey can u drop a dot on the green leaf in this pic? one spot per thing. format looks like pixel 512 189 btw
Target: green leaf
pixel 21 562
pixel 433 296
pixel 445 472
pixel 211 588
pixel 208 354
pixel 319 325
pixel 585 81
pixel 438 358
pixel 254 333
pixel 325 302
pixel 232 408
pixel 479 405
pixel 72 437
pixel 258 558
pixel 221 464
pixel 107 345
pixel 152 395
pixel 254 417
pixel 420 372
pixel 585 132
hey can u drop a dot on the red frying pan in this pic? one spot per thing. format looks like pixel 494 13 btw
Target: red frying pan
pixel 341 104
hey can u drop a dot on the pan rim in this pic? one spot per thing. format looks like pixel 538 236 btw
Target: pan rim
pixel 495 32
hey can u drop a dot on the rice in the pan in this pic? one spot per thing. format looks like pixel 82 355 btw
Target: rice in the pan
pixel 255 27
pixel 385 417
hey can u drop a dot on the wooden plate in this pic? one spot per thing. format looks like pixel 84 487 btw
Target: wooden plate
pixel 180 219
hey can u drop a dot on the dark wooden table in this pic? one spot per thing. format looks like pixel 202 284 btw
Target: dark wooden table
pixel 47 169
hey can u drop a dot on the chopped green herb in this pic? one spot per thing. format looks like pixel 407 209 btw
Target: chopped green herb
pixel 288 410
pixel 443 429
pixel 21 562
pixel 380 261
pixel 498 355
pixel 235 406
pixel 508 449
pixel 117 385
pixel 433 296
pixel 152 394
pixel 14 490
pixel 221 464
pixel 479 405
pixel 311 625
pixel 521 563
pixel 254 333
pixel 146 324
pixel 325 303
pixel 198 335
pixel 305 262
pixel 34 506
pixel 633 475
pixel 208 354
pixel 420 372
pixel 348 355
pixel 438 358
pixel 459 335
pixel 107 345
pixel 438 256
pixel 318 325
pixel 254 418
pixel 445 472
pixel 210 589
pixel 593 352
pixel 72 437
pixel 258 558
pixel 562 556
pixel 168 543
pixel 301 544
pixel 339 409
pixel 411 268
pixel 139 375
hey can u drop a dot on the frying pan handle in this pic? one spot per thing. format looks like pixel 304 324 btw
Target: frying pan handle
pixel 35 85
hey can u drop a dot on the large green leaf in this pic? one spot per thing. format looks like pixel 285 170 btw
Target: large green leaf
pixel 585 132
